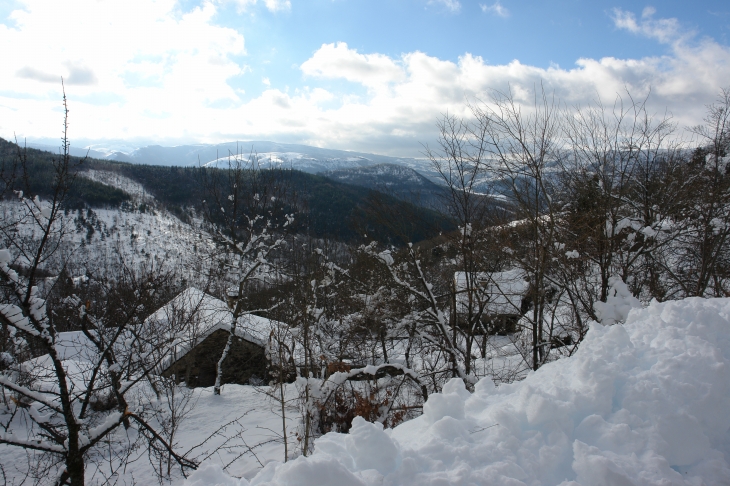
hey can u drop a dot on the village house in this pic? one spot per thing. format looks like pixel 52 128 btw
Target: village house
pixel 495 300
pixel 202 325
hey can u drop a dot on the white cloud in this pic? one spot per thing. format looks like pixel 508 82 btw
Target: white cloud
pixel 421 87
pixel 496 8
pixel 266 81
pixel 242 4
pixel 271 5
pixel 163 59
pixel 452 5
pixel 162 76
pixel 663 30
pixel 339 61
pixel 276 5
pixel 29 72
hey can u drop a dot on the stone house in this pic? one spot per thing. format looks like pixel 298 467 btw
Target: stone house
pixel 497 299
pixel 201 325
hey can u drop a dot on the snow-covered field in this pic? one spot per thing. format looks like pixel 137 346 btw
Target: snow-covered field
pixel 642 403
pixel 240 430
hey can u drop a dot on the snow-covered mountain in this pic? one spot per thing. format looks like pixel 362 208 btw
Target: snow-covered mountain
pixel 301 157
pixel 142 232
pixel 387 175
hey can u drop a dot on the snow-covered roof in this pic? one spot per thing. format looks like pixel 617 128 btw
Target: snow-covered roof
pixel 500 292
pixel 79 358
pixel 185 321
pixel 74 345
pixel 193 315
pixel 71 346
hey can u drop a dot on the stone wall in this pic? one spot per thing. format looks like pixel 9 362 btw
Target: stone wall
pixel 198 367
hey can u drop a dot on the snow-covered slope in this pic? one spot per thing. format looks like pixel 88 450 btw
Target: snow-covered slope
pixel 396 180
pixel 382 175
pixel 296 160
pixel 141 232
pixel 642 403
pixel 133 188
pixel 152 236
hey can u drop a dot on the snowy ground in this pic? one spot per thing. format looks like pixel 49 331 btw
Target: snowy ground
pixel 642 403
pixel 250 438
pixel 258 418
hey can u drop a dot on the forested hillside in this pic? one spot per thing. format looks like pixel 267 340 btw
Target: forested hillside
pixel 331 209
pixel 37 164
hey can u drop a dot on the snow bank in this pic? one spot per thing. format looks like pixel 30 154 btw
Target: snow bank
pixel 211 474
pixel 642 403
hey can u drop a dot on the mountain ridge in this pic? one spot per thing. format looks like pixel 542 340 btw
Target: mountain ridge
pixel 306 158
pixel 398 181
pixel 337 210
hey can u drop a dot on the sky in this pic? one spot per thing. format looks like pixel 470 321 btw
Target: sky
pixel 365 75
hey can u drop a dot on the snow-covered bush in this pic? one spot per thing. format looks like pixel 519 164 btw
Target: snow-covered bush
pixel 619 303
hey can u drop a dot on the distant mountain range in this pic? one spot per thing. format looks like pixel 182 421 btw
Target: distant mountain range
pixel 409 179
pixel 326 208
pixel 306 158
pixel 75 151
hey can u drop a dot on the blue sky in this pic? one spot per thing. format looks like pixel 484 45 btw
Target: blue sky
pixel 535 33
pixel 364 75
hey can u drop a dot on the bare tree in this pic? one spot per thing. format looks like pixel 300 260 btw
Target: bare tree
pixel 244 211
pixel 75 392
pixel 704 254
pixel 619 189
pixel 523 145
pixel 461 160
pixel 427 321
pixel 173 405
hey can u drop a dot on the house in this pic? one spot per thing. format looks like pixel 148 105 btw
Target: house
pixel 201 325
pixel 495 300
pixel 184 340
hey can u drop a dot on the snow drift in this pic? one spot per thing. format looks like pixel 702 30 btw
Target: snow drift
pixel 642 403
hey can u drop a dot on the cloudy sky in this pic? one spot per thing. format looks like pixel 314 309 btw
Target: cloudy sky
pixel 367 75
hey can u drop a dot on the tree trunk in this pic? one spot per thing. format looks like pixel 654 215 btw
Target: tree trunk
pixel 224 355
pixel 75 467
